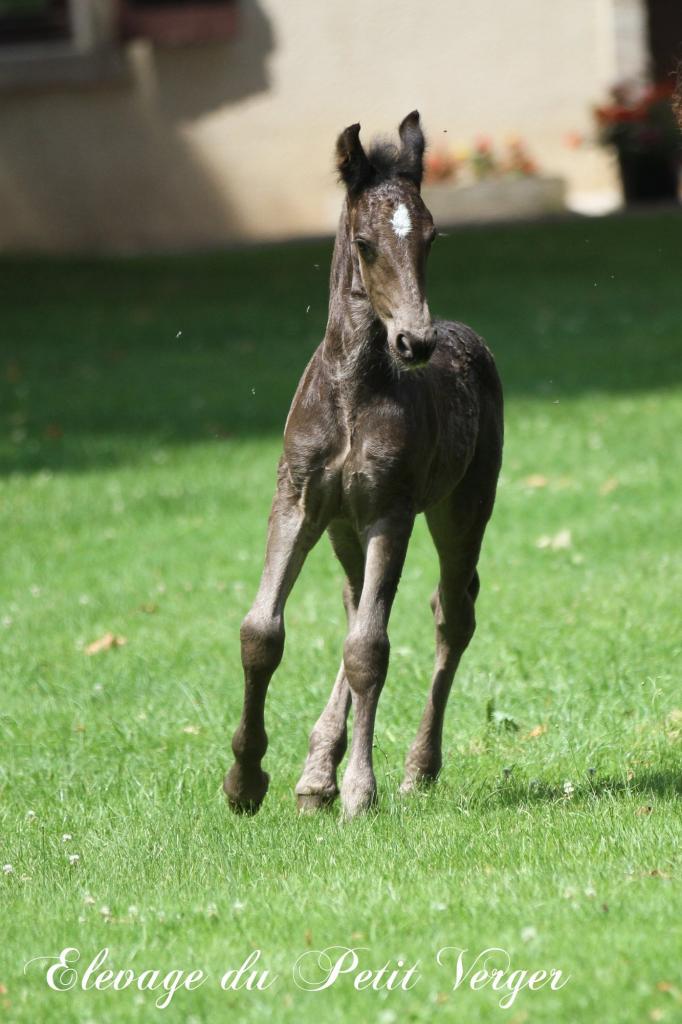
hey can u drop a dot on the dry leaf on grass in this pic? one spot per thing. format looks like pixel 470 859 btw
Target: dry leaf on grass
pixel 673 724
pixel 646 809
pixel 608 486
pixel 666 986
pixel 192 730
pixel 537 730
pixel 536 480
pixel 105 643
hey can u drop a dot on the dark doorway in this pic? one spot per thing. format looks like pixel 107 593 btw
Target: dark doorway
pixel 665 37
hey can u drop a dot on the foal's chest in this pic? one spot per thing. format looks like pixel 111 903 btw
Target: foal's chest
pixel 383 461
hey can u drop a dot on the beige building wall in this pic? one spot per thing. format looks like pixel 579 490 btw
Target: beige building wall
pixel 203 145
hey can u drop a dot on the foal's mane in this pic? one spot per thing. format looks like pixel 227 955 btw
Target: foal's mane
pixel 385 160
pixel 389 161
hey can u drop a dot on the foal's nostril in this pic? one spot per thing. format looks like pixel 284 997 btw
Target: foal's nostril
pixel 430 341
pixel 403 346
pixel 416 350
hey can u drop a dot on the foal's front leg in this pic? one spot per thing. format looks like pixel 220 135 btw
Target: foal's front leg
pixel 366 651
pixel 291 535
pixel 317 786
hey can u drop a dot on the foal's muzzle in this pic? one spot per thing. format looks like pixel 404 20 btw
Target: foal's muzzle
pixel 415 350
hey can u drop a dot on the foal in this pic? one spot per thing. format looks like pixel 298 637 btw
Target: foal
pixel 395 414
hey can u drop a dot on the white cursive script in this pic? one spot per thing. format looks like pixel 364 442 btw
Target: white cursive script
pixel 319 969
pixel 485 969
pixel 63 976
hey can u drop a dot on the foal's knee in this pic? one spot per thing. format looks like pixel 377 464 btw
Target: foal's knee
pixel 456 621
pixel 262 642
pixel 365 658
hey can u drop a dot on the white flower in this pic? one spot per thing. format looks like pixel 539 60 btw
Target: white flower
pixel 133 911
pixel 211 910
pixel 30 815
pixel 590 891
pixel 238 905
pixel 7 869
pixel 528 934
pixel 569 788
pixel 559 542
pixel 89 900
pixel 439 906
pixel 67 837
pixel 104 911
pixel 74 858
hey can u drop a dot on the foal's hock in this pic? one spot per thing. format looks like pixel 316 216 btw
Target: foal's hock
pixel 396 414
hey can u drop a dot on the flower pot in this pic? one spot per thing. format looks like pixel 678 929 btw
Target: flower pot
pixel 648 177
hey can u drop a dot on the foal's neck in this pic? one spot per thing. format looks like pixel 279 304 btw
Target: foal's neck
pixel 354 340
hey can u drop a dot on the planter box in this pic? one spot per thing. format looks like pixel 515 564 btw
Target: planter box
pixel 495 199
pixel 176 25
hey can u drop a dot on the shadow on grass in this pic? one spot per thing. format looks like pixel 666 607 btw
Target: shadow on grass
pixel 651 782
pixel 101 358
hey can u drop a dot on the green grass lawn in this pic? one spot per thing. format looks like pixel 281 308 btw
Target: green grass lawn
pixel 141 405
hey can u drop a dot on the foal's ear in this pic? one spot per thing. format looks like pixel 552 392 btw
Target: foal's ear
pixel 351 160
pixel 412 145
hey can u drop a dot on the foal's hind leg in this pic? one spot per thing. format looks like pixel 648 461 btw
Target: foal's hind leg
pixel 457 527
pixel 291 535
pixel 317 786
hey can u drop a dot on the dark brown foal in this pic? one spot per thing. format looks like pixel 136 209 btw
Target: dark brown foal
pixel 395 414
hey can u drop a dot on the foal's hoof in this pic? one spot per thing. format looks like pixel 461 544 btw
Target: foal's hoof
pixel 245 790
pixel 358 801
pixel 418 779
pixel 309 803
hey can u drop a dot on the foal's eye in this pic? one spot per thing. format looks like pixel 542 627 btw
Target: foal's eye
pixel 365 249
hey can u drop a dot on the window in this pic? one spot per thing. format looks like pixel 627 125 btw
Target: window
pixel 58 42
pixel 28 21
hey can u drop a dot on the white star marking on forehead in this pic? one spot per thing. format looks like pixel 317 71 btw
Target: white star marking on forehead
pixel 400 222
